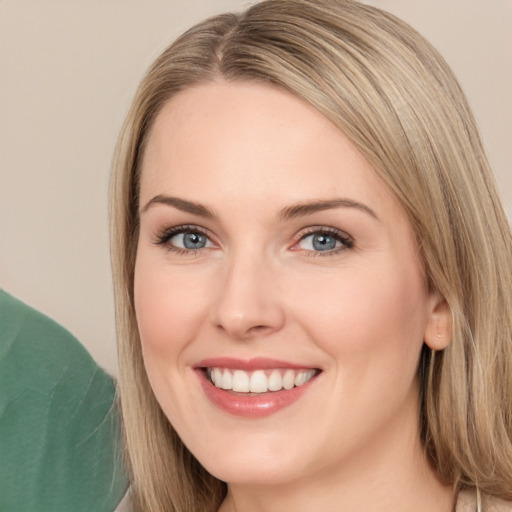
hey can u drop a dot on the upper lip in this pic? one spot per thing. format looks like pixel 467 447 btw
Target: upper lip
pixel 257 363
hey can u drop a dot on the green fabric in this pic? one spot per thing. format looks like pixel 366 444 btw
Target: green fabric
pixel 58 429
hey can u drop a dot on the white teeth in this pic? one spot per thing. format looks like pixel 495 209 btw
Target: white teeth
pixel 227 380
pixel 259 381
pixel 240 381
pixel 303 377
pixel 217 377
pixel 300 378
pixel 289 379
pixel 275 381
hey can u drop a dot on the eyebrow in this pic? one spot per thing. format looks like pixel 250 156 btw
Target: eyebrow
pixel 290 212
pixel 180 204
pixel 303 209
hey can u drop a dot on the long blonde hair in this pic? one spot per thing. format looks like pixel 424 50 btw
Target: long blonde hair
pixel 394 96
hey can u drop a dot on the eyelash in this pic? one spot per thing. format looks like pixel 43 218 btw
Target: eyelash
pixel 165 236
pixel 347 241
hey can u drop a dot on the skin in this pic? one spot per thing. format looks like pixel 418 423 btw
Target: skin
pixel 360 312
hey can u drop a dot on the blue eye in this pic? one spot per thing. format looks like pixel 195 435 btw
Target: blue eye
pixel 319 242
pixel 325 241
pixel 190 240
pixel 183 239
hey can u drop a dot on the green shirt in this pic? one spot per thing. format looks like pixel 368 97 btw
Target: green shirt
pixel 58 427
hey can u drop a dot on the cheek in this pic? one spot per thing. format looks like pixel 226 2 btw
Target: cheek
pixel 366 314
pixel 169 307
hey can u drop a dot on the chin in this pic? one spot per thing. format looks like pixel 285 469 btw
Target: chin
pixel 246 472
pixel 263 463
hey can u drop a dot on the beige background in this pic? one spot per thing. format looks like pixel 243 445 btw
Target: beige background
pixel 68 69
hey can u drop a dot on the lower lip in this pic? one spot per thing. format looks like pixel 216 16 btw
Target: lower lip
pixel 254 406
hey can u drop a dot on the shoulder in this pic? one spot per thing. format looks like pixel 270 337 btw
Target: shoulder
pixel 467 502
pixel 32 337
pixel 56 411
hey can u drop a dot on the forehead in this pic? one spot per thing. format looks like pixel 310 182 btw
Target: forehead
pixel 252 141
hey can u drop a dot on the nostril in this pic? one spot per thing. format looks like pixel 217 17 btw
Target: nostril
pixel 259 329
pixel 243 333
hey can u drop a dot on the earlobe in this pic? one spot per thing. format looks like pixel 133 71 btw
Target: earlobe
pixel 438 332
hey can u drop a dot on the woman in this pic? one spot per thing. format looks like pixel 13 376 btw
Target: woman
pixel 312 272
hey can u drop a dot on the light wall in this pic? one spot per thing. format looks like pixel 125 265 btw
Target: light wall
pixel 67 73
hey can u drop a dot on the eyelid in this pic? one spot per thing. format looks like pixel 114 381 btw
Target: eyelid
pixel 164 236
pixel 346 240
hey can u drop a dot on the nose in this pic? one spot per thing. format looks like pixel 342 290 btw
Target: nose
pixel 248 302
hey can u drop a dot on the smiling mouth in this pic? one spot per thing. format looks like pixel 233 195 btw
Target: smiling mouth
pixel 258 381
pixel 254 388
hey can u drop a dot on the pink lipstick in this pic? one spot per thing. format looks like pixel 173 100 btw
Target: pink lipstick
pixel 253 388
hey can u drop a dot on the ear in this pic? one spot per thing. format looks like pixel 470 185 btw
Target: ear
pixel 438 331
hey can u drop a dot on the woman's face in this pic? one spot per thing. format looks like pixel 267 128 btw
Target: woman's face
pixel 272 259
